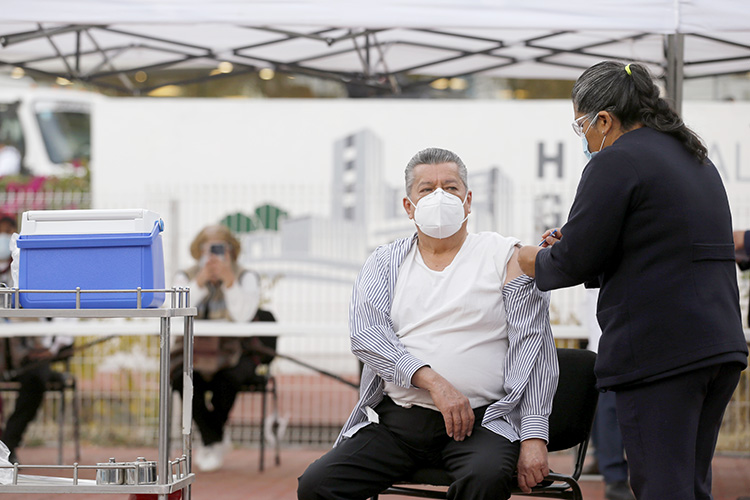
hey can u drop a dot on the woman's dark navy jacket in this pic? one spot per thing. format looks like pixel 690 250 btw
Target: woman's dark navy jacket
pixel 651 226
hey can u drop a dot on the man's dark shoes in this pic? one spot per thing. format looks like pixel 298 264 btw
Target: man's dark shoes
pixel 618 490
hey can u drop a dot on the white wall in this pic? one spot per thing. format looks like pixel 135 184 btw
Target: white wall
pixel 196 160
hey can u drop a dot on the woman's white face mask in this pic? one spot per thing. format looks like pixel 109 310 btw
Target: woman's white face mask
pixel 440 214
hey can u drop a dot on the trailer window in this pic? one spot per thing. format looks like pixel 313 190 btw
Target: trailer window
pixel 66 133
pixel 10 126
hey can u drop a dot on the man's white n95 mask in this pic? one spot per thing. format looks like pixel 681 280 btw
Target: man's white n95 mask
pixel 439 214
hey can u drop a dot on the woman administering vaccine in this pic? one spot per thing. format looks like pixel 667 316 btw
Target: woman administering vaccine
pixel 221 290
pixel 650 225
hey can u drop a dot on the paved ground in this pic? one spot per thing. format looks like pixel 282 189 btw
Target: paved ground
pixel 240 478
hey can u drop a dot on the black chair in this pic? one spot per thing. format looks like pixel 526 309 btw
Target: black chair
pixel 263 350
pixel 570 426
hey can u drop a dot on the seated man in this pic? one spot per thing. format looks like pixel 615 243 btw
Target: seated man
pixel 460 365
pixel 25 360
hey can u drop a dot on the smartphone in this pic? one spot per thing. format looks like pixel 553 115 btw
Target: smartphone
pixel 218 249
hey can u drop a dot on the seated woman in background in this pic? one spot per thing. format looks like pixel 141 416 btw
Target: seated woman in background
pixel 221 290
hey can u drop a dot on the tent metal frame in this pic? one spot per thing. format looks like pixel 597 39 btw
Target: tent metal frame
pixel 369 46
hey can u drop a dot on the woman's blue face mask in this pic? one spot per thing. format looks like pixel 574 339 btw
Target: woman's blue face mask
pixel 584 141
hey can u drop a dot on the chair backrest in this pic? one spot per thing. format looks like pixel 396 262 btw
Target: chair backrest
pixel 266 341
pixel 264 315
pixel 575 401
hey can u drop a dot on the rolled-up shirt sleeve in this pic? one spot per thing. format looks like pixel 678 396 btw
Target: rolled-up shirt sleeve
pixel 531 369
pixel 373 339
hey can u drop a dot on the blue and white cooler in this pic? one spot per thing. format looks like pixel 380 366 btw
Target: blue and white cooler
pixel 93 250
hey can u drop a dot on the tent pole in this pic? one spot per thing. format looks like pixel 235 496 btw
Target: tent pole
pixel 675 69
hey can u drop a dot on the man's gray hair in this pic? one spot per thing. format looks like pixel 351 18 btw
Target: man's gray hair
pixel 433 156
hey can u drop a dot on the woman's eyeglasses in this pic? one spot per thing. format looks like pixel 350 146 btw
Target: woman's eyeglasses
pixel 578 125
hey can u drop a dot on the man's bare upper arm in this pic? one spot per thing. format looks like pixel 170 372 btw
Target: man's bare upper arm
pixel 513 269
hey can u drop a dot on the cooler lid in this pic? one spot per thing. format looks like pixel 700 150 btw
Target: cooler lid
pixel 113 221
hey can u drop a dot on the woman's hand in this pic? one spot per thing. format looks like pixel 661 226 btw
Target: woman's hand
pixel 216 270
pixel 222 269
pixel 550 237
pixel 527 254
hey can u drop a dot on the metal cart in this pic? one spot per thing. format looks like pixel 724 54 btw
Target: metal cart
pixel 171 475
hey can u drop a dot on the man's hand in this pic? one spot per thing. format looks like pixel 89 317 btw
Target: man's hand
pixel 454 406
pixel 532 464
pixel 39 354
pixel 739 241
pixel 550 237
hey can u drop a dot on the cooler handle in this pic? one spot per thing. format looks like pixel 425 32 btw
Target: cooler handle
pixel 83 215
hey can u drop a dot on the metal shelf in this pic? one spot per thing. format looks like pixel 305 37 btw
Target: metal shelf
pixel 72 484
pixel 63 489
pixel 178 306
pixel 98 313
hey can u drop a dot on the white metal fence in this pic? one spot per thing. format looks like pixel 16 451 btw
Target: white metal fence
pixel 15 202
pixel 118 390
pixel 307 276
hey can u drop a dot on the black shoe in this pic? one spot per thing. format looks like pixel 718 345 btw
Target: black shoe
pixel 618 490
pixel 590 466
pixel 13 458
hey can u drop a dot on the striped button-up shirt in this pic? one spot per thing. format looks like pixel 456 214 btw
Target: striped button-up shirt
pixel 531 369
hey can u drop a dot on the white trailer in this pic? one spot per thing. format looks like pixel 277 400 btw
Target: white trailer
pixel 50 128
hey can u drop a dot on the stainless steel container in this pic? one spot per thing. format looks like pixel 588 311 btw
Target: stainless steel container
pixel 110 474
pixel 142 472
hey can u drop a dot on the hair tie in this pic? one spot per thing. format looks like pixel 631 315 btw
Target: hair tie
pixel 627 70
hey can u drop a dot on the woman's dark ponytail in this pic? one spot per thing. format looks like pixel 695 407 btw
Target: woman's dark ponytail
pixel 630 94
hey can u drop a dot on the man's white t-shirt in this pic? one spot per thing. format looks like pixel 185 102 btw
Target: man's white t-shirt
pixel 454 319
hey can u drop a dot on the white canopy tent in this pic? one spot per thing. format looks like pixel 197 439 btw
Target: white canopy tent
pixel 390 45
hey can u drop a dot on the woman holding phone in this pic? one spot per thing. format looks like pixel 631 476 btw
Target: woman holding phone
pixel 221 290
pixel 651 227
